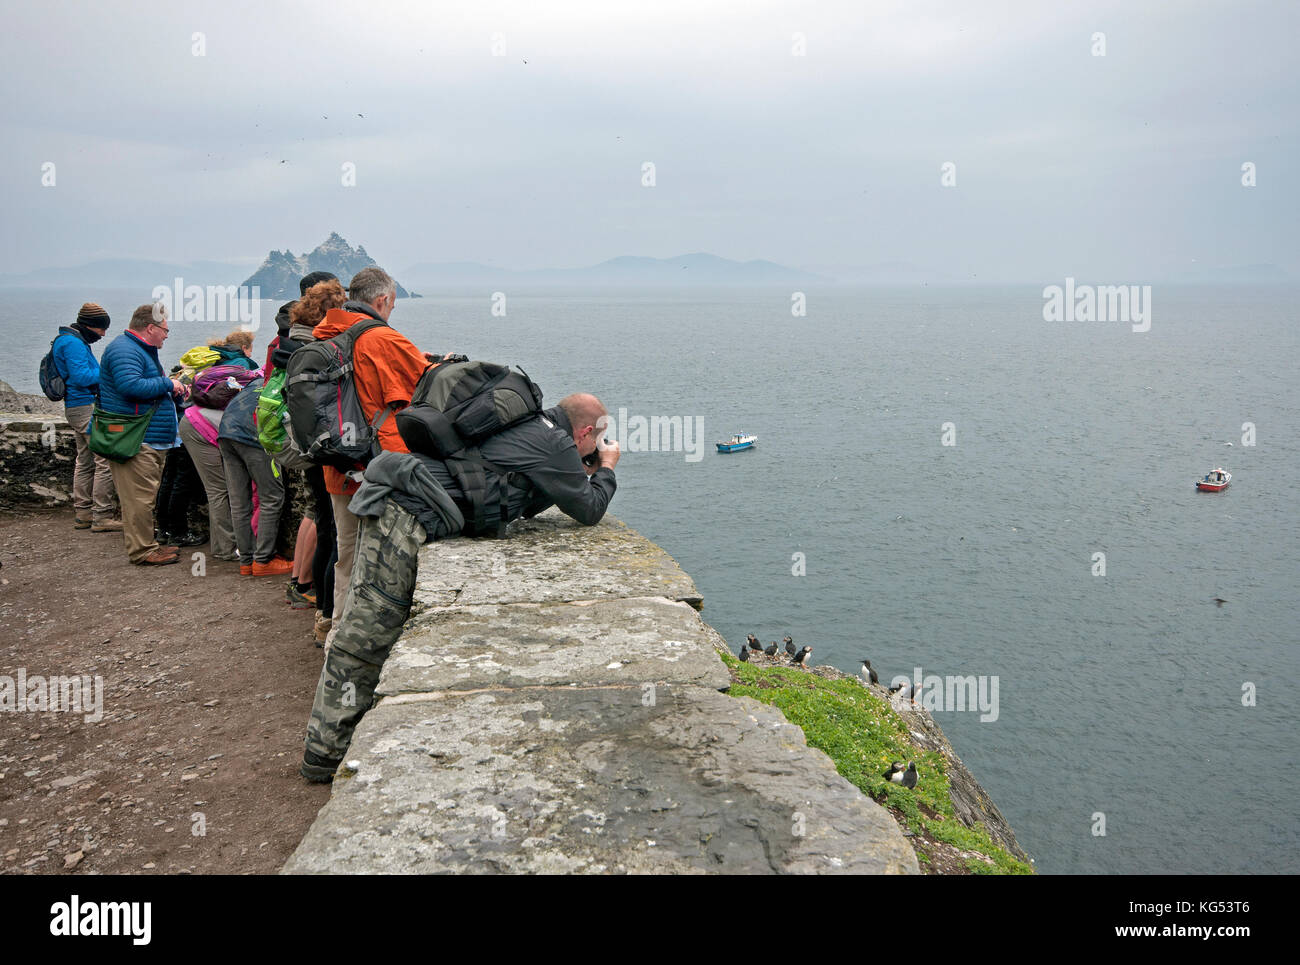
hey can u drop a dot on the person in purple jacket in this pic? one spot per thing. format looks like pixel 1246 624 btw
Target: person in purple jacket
pixel 92 477
pixel 131 381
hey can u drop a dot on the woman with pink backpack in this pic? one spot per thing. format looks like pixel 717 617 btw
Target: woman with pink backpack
pixel 212 389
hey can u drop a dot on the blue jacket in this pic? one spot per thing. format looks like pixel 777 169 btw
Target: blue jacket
pixel 131 380
pixel 240 421
pixel 76 363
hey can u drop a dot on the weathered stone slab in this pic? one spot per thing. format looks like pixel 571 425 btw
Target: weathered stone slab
pixel 620 641
pixel 550 558
pixel 594 780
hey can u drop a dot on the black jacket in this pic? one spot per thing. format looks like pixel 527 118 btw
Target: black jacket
pixel 544 470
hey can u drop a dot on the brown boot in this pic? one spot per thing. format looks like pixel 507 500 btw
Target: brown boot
pixel 158 557
pixel 106 526
pixel 81 523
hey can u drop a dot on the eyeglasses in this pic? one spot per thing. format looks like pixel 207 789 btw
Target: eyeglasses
pixel 163 327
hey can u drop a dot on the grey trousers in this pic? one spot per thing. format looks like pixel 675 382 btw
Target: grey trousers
pixel 207 460
pixel 92 478
pixel 244 465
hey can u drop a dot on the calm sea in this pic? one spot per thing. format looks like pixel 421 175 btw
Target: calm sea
pixel 1122 698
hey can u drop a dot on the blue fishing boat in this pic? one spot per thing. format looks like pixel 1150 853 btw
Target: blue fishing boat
pixel 741 440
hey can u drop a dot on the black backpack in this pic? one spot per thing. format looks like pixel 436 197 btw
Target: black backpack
pixel 324 411
pixel 53 383
pixel 455 407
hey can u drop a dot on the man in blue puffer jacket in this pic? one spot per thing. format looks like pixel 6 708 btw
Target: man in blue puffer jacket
pixel 92 478
pixel 131 381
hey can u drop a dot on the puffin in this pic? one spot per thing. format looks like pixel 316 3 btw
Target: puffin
pixel 905 689
pixel 908 779
pixel 771 651
pixel 801 658
pixel 869 672
pixel 789 646
pixel 895 773
pixel 753 643
pixel 744 655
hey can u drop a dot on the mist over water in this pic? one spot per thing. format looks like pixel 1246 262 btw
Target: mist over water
pixel 1119 694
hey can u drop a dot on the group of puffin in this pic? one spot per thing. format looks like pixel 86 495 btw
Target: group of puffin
pixel 896 774
pixel 797 657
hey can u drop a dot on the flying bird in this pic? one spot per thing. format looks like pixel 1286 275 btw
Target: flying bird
pixel 1220 600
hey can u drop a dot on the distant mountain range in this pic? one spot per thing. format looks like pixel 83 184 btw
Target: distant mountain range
pixel 1237 275
pixel 126 273
pixel 279 275
pixel 628 270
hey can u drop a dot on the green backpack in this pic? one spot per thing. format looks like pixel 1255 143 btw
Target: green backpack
pixel 272 420
pixel 272 417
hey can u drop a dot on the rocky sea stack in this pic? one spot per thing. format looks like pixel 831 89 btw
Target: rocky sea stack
pixel 279 273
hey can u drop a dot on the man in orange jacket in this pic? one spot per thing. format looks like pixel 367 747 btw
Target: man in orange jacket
pixel 386 366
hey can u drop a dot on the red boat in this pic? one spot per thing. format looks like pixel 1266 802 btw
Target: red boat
pixel 1215 481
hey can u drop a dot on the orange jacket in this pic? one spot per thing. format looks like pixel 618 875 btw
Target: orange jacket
pixel 385 367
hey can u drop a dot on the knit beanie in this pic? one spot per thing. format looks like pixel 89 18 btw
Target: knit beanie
pixel 93 316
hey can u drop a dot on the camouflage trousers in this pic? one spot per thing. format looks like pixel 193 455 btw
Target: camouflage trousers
pixel 375 609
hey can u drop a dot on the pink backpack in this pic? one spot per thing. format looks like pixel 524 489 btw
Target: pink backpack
pixel 216 385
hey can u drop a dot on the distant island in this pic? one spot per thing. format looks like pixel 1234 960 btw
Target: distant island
pixel 279 274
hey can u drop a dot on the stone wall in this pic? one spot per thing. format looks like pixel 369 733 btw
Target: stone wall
pixel 553 706
pixel 37 454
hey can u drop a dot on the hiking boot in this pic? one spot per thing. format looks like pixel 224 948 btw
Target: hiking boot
pixel 183 539
pixel 276 566
pixel 322 628
pixel 159 557
pixel 79 523
pixel 106 526
pixel 298 600
pixel 317 769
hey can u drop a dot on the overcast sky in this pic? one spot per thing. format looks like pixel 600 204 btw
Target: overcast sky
pixel 1118 168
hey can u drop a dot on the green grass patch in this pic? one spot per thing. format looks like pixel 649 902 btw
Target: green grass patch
pixel 863 735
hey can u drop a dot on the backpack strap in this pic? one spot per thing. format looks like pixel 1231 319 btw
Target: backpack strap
pixel 375 423
pixel 470 469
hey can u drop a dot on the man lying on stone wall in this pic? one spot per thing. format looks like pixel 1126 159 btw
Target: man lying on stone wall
pixel 409 499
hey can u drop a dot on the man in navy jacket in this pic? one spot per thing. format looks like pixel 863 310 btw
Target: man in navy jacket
pixel 92 479
pixel 131 381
